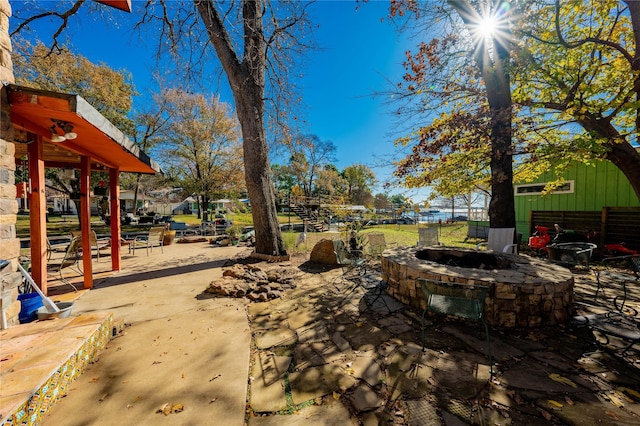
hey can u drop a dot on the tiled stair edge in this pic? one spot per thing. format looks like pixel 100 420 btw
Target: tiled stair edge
pixel 33 410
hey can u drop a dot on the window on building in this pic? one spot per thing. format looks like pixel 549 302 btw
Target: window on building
pixel 537 188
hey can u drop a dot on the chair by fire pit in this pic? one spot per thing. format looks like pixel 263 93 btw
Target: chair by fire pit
pixel 571 253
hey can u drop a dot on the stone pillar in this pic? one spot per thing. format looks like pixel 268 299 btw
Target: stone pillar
pixel 9 244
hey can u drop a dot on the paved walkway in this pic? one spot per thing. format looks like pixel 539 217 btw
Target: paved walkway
pixel 321 355
pixel 180 350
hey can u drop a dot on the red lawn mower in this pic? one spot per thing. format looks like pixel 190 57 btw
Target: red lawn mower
pixel 539 239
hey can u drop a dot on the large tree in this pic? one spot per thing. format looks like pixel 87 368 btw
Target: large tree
pixel 360 180
pixel 245 63
pixel 309 156
pixel 109 91
pixel 255 41
pixel 576 94
pixel 440 67
pixel 579 65
pixel 202 147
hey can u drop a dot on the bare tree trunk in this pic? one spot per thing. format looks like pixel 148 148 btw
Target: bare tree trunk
pixel 634 11
pixel 247 80
pixel 492 65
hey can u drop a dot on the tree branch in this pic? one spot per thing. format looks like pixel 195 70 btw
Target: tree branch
pixel 65 21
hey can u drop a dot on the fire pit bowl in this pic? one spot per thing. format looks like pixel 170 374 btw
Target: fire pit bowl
pixel 523 291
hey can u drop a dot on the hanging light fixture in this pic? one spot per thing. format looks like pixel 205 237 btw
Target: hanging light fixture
pixel 66 127
pixel 69 134
pixel 56 137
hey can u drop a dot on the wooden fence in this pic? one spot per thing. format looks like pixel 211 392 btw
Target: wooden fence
pixel 612 224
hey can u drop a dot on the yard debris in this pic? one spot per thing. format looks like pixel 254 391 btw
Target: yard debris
pixel 253 282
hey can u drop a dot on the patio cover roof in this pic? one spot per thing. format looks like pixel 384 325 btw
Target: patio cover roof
pixel 118 4
pixel 33 111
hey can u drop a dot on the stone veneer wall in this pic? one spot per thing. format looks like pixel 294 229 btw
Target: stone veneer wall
pixel 9 244
pixel 534 294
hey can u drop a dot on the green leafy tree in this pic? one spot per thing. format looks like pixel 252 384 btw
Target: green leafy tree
pixel 59 69
pixel 283 181
pixel 381 201
pixel 309 155
pixel 469 71
pixel 359 179
pixel 578 76
pixel 331 183
pixel 107 90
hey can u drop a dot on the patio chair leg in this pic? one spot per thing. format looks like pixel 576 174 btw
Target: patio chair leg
pixel 486 331
pixel 423 327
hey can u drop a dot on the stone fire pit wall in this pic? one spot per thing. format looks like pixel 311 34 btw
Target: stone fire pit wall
pixel 530 293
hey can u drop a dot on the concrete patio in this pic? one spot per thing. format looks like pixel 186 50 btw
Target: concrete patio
pixel 319 355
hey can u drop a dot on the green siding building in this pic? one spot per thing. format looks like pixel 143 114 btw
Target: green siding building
pixel 587 188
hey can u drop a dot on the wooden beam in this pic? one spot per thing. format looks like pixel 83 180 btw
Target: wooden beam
pixel 85 221
pixel 114 191
pixel 38 215
pixel 84 152
pixel 23 123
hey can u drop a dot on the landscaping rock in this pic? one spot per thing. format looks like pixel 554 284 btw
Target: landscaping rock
pixel 323 252
pixel 253 282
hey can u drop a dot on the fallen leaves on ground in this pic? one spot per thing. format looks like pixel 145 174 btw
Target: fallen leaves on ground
pixel 167 409
pixel 555 404
pixel 561 379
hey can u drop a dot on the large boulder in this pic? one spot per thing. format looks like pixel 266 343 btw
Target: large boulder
pixel 323 252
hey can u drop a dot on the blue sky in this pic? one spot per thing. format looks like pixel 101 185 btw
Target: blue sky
pixel 359 51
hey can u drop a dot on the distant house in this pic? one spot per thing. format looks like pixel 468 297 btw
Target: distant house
pixel 144 201
pixel 597 197
pixel 222 204
pixel 190 205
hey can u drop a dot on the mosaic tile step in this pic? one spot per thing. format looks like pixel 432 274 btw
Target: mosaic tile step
pixel 39 360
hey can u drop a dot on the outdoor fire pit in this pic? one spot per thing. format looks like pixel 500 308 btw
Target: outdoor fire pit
pixel 523 291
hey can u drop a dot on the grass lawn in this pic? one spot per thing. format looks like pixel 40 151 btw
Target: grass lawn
pixel 401 235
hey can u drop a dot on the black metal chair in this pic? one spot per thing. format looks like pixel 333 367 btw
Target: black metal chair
pixel 352 262
pixel 459 300
pixel 603 327
pixel 609 276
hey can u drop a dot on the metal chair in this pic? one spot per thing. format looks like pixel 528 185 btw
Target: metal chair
pixel 354 268
pixel 96 243
pixel 71 258
pixel 625 328
pixel 459 300
pixel 377 243
pixel 427 236
pixel 352 262
pixel 56 248
pixel 500 240
pixel 609 275
pixel 154 238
